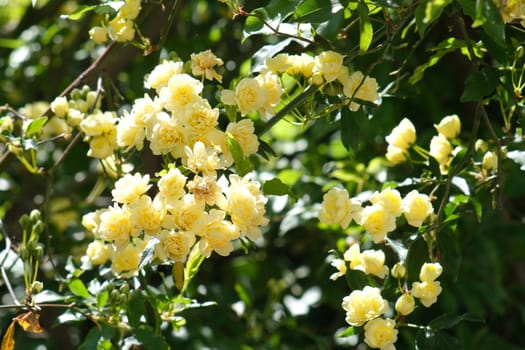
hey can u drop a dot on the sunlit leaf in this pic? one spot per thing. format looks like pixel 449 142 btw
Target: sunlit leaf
pixel 35 126
pixel 78 288
pixel 8 341
pixel 365 27
pixel 178 274
pixel 275 187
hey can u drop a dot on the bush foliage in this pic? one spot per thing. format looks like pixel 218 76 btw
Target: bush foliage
pixel 271 174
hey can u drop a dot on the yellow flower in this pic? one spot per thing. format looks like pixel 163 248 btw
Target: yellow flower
pixel 181 92
pixel 450 126
pixel 216 234
pixel 115 225
pixel 489 162
pixel 147 215
pixel 416 208
pixel 201 118
pixel 395 155
pixel 390 199
pixel 356 85
pixel 121 29
pixel 403 135
pixel 130 187
pixel 430 271
pixel 144 109
pixel 246 206
pixel 60 106
pixel 166 136
pixel 203 64
pixel 244 133
pixel 98 252
pixel 174 245
pixel 426 292
pixel 130 10
pixel 98 34
pixel 171 184
pixel 129 133
pixel 102 146
pixel 338 209
pixel 187 212
pixel 369 261
pixel 98 124
pixel 440 149
pixel 364 305
pixel 273 90
pixel 381 334
pixel 329 64
pixel 302 64
pixel 162 73
pixel 206 189
pixel 340 265
pixel 377 221
pixel 249 96
pixel 125 260
pixel 278 64
pixel 202 159
pixel 405 304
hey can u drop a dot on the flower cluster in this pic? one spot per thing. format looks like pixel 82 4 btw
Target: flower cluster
pixel 121 27
pixel 263 92
pixel 399 141
pixel 365 306
pixel 379 217
pixel 191 202
pixel 440 147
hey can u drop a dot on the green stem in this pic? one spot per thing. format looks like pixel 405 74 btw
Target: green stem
pixel 288 108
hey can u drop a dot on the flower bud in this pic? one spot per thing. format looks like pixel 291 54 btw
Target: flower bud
pixel 35 215
pixel 37 287
pixel 60 106
pixel 430 271
pixel 490 161
pixel 24 221
pixel 480 146
pixel 98 34
pixel 115 296
pixel 403 135
pixel 38 253
pixel 405 304
pixel 123 299
pixel 450 126
pixel 124 289
pixel 399 271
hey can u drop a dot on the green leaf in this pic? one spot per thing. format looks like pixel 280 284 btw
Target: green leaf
pixel 313 11
pixel 451 256
pixel 102 298
pixel 430 340
pixel 488 15
pixel 356 279
pixel 427 12
pixel 78 288
pixel 417 255
pixel 332 27
pixel 350 130
pixel 35 126
pixel 480 84
pixel 150 340
pixel 136 308
pixel 275 187
pixel 80 12
pixel 446 321
pixel 365 27
pixel 242 163
pixel 347 332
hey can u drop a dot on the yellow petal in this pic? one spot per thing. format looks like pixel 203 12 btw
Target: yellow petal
pixel 8 342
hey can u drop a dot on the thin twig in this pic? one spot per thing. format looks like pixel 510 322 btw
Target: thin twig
pixel 4 274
